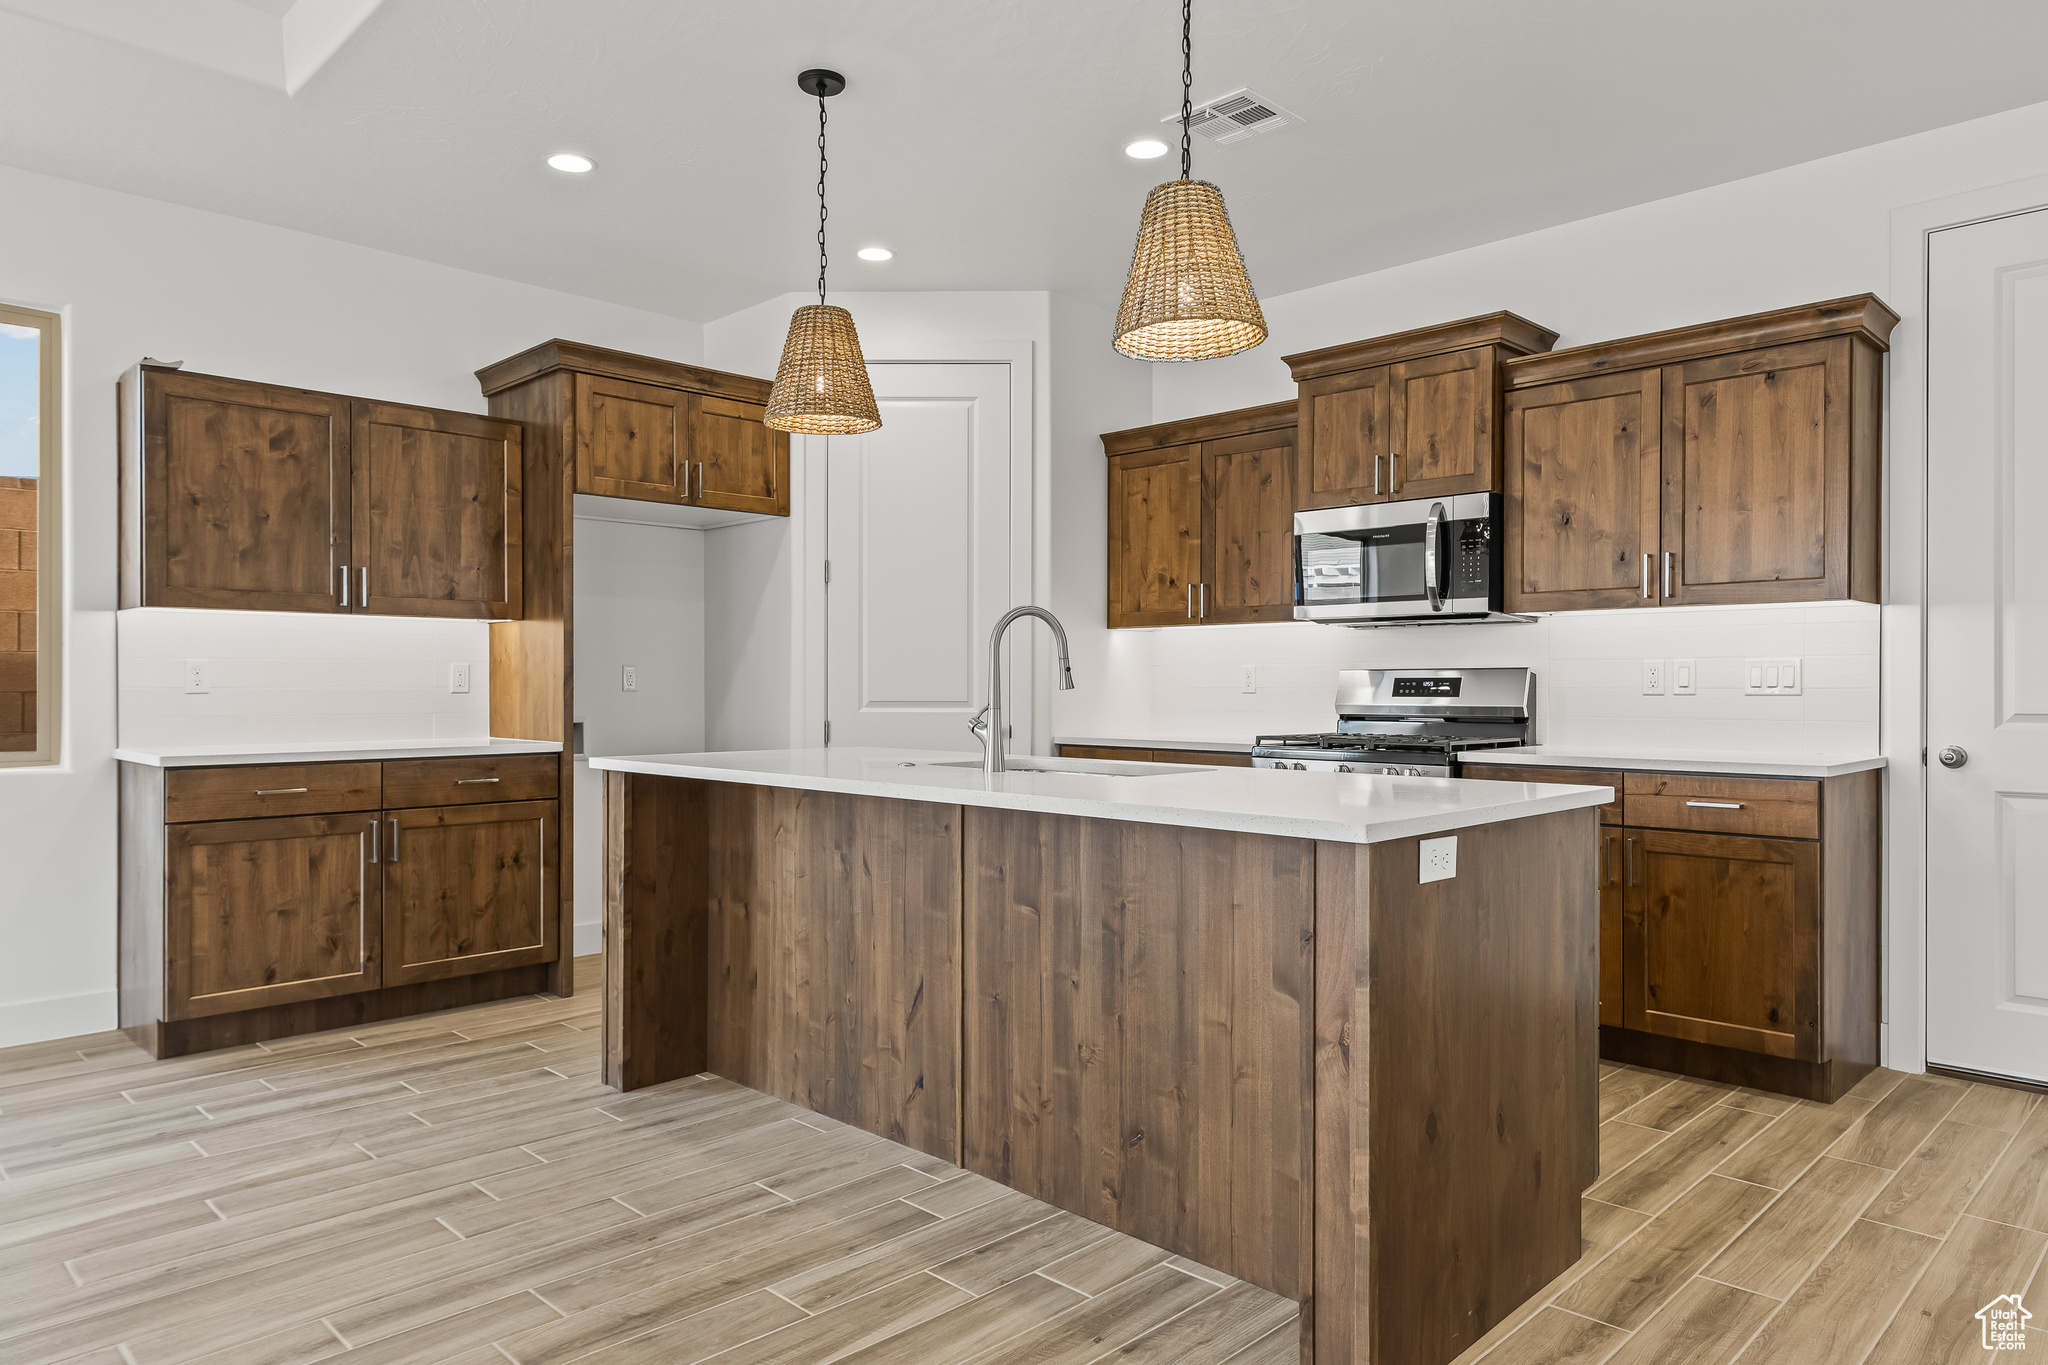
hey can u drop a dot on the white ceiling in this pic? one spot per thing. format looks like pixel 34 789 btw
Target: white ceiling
pixel 981 139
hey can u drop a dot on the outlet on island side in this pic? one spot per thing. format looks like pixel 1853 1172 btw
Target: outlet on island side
pixel 629 679
pixel 1440 858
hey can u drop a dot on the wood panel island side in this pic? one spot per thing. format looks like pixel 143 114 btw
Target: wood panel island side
pixel 1215 1009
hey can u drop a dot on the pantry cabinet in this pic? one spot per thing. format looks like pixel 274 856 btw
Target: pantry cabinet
pixel 1413 415
pixel 259 497
pixel 1731 462
pixel 1738 924
pixel 649 430
pixel 264 900
pixel 1201 519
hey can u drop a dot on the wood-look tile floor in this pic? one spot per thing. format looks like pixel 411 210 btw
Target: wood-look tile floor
pixel 1733 1226
pixel 460 1188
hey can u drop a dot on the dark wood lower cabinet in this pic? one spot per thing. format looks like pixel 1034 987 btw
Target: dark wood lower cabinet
pixel 466 889
pixel 1285 1059
pixel 238 930
pixel 269 912
pixel 1738 925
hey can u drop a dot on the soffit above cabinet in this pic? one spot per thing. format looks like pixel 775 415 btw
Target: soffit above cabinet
pixel 581 358
pixel 1863 315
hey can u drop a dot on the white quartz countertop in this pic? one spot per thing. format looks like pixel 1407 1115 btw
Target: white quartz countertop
pixel 1787 764
pixel 1340 807
pixel 330 751
pixel 1198 746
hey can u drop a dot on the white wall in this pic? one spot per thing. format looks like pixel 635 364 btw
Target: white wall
pixel 639 601
pixel 1588 676
pixel 292 678
pixel 134 277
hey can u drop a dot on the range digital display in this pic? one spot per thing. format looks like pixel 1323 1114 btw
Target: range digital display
pixel 1427 687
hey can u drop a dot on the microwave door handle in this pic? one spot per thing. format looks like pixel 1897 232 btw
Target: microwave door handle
pixel 1432 577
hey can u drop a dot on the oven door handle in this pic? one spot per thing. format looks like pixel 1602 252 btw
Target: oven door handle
pixel 1432 555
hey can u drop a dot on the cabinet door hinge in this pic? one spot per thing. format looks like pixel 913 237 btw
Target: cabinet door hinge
pixel 828 734
pixel 828 571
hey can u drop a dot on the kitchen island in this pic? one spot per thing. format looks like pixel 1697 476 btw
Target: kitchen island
pixel 1220 1010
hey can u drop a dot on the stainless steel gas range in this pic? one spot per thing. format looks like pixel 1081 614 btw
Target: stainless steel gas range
pixel 1411 722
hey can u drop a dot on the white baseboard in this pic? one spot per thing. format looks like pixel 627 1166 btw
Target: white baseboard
pixel 589 937
pixel 66 1016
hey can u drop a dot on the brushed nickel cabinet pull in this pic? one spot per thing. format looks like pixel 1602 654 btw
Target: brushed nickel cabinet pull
pixel 1717 805
pixel 1646 573
pixel 1203 588
pixel 394 838
pixel 373 839
pixel 344 585
pixel 1376 473
pixel 1191 601
pixel 363 597
pixel 281 791
pixel 1667 573
pixel 473 781
pixel 1630 859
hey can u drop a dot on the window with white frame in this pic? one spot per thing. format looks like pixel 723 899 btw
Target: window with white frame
pixel 31 596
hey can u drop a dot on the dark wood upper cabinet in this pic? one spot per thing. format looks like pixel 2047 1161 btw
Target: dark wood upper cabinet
pixel 268 912
pixel 630 439
pixel 1248 526
pixel 1201 519
pixel 467 889
pixel 1155 537
pixel 1412 415
pixel 245 495
pixel 651 430
pixel 1581 494
pixel 437 513
pixel 742 465
pixel 1759 437
pixel 233 494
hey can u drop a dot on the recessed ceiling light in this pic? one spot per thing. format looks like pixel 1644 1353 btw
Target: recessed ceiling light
pixel 874 253
pixel 571 162
pixel 1145 148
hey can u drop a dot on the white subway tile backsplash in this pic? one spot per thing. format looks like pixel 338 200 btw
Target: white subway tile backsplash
pixel 288 678
pixel 1183 683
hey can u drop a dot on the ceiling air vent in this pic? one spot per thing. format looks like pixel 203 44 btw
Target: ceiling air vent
pixel 1237 116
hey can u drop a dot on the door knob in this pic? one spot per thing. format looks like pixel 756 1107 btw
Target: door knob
pixel 1954 756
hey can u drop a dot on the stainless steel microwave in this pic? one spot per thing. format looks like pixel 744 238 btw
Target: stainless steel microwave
pixel 1410 563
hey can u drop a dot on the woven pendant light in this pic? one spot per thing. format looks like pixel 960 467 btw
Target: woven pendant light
pixel 821 386
pixel 1189 296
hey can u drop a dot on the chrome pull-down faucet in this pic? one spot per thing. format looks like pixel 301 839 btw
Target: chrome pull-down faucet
pixel 987 724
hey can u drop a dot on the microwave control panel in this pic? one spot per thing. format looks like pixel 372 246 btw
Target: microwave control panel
pixel 1472 562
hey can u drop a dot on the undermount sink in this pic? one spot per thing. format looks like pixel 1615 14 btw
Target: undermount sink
pixel 1102 767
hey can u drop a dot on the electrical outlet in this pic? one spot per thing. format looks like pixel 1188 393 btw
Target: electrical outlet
pixel 1440 858
pixel 1249 678
pixel 1685 677
pixel 458 677
pixel 195 677
pixel 1653 677
pixel 629 679
pixel 1772 678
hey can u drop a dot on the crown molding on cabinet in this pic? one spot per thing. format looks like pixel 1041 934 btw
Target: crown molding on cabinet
pixel 1508 330
pixel 639 369
pixel 1864 315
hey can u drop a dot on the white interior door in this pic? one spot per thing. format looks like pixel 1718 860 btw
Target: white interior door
pixel 1987 647
pixel 925 556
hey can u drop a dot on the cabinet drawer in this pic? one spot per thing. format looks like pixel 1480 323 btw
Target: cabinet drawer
pixel 1201 758
pixel 461 781
pixel 193 794
pixel 1778 808
pixel 1610 814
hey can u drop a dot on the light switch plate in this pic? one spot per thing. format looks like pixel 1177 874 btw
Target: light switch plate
pixel 1249 680
pixel 1773 677
pixel 1685 677
pixel 458 677
pixel 195 677
pixel 629 679
pixel 1653 677
pixel 1440 858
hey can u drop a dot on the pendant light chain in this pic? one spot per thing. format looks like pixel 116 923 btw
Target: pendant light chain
pixel 1187 80
pixel 821 199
